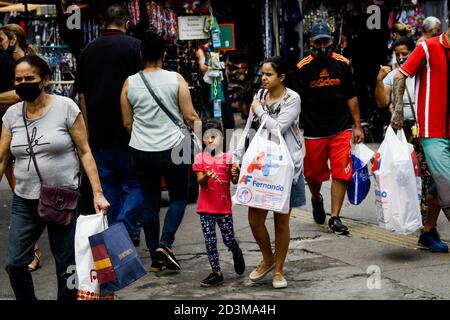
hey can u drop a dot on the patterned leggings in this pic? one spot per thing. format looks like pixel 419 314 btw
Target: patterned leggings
pixel 225 222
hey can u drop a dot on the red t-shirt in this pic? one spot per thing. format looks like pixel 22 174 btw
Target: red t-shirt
pixel 429 64
pixel 214 198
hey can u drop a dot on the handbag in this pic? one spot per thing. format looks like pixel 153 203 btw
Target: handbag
pixel 195 143
pixel 56 205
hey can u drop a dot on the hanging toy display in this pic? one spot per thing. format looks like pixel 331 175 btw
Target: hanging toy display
pixel 133 7
pixel 163 21
pixel 214 75
pixel 215 35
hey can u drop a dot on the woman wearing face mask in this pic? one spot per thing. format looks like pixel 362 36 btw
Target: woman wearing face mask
pixel 13 41
pixel 58 132
pixel 281 107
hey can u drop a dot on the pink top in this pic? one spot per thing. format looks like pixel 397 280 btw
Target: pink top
pixel 214 198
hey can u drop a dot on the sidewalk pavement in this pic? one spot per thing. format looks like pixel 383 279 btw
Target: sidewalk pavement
pixel 369 264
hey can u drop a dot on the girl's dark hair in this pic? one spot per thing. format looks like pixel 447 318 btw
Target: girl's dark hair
pixel 405 41
pixel 212 124
pixel 280 64
pixel 36 62
pixel 152 46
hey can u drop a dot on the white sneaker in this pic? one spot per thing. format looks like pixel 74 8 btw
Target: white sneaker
pixel 278 281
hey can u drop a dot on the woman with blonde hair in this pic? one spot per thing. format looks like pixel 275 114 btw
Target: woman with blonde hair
pixel 401 29
pixel 13 39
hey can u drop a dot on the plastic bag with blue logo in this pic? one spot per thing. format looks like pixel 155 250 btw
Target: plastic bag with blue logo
pixel 267 173
pixel 396 191
pixel 359 187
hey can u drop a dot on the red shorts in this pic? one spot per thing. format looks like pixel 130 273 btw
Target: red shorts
pixel 335 148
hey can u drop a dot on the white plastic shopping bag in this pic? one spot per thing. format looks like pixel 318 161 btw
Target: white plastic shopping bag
pixel 359 187
pixel 267 172
pixel 397 203
pixel 88 286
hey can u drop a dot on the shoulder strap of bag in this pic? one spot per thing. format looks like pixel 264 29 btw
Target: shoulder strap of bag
pixel 29 143
pixel 158 101
pixel 411 103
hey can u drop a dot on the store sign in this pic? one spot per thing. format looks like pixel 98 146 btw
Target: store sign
pixel 227 36
pixel 191 28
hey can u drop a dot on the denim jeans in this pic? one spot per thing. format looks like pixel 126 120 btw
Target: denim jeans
pixel 25 229
pixel 121 187
pixel 150 167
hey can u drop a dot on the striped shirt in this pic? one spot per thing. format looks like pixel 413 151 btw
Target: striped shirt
pixel 429 64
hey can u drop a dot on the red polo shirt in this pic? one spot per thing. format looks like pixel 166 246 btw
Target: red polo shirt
pixel 430 66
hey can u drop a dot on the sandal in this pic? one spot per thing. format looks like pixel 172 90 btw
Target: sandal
pixel 36 263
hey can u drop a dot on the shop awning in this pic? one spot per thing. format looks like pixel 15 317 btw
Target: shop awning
pixel 18 8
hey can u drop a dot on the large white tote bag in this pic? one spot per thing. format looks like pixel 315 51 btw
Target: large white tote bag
pixel 267 172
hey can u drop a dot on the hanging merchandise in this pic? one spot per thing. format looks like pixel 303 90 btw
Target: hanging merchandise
pixel 267 27
pixel 293 13
pixel 217 108
pixel 133 7
pixel 215 35
pixel 162 21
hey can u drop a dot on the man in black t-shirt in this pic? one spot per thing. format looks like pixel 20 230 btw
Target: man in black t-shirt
pixel 103 67
pixel 329 108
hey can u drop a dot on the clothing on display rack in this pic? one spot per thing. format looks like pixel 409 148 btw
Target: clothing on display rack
pixel 163 21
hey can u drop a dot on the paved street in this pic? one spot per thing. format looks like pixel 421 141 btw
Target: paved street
pixel 320 264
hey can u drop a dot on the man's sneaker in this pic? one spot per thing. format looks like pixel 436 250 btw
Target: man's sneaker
pixel 166 256
pixel 318 211
pixel 261 271
pixel 432 241
pixel 213 279
pixel 336 225
pixel 239 262
pixel 156 266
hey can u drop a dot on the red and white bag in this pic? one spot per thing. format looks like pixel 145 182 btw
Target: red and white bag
pixel 88 286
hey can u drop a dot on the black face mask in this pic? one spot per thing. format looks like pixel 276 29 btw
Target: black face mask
pixel 28 91
pixel 10 50
pixel 401 61
pixel 322 52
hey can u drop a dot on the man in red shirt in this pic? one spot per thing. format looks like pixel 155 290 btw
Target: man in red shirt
pixel 430 62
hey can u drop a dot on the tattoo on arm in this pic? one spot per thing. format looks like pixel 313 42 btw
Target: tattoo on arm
pixel 399 91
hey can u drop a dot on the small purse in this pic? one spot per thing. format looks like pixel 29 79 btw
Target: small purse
pixel 56 205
